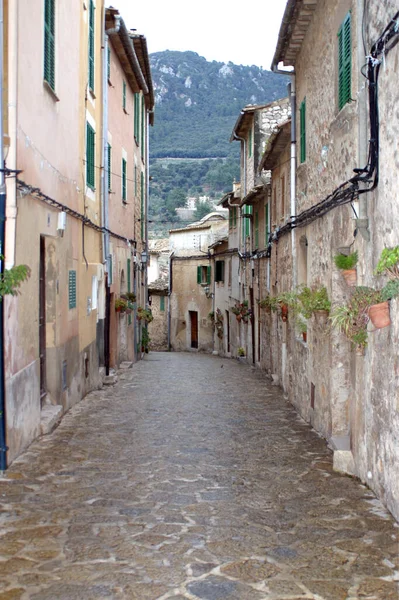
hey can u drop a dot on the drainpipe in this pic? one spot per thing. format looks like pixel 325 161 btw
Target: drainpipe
pixel 3 196
pixel 362 222
pixel 11 183
pixel 292 96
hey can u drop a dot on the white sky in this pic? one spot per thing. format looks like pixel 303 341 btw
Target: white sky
pixel 240 32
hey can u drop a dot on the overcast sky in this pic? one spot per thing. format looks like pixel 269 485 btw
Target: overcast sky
pixel 243 33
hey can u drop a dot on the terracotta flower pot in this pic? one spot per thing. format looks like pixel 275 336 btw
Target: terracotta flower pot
pixel 238 317
pixel 304 335
pixel 379 315
pixel 350 276
pixel 321 316
pixel 284 312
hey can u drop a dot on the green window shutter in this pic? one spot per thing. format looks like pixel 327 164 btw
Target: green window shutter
pixel 109 167
pixel 208 275
pixel 162 303
pixel 302 131
pixel 91 44
pixel 72 289
pixel 124 95
pixel 90 156
pixel 267 231
pixel 142 216
pixel 49 42
pixel 123 180
pixel 142 126
pixel 344 62
pixel 108 63
pixel 128 269
pixel 199 274
pixel 256 229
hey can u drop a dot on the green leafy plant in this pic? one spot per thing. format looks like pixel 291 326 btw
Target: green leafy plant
pixel 346 262
pixel 268 303
pixel 389 263
pixel 352 318
pixel 301 325
pixel 390 290
pixel 240 351
pixel 312 299
pixel 130 296
pixel 242 311
pixel 120 305
pixel 144 314
pixel 11 279
pixel 145 339
pixel 211 315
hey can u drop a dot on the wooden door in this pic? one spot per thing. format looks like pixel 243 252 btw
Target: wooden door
pixel 42 318
pixel 194 328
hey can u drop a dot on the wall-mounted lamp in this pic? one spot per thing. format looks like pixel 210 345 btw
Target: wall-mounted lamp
pixel 144 258
pixel 208 292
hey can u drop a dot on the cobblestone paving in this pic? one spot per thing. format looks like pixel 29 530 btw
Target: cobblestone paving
pixel 191 478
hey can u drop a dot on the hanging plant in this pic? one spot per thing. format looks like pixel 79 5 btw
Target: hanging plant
pixel 144 314
pixel 120 305
pixel 347 264
pixel 242 311
pixel 389 263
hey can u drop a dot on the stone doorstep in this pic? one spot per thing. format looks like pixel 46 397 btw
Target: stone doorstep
pixel 50 416
pixel 109 379
pixel 125 365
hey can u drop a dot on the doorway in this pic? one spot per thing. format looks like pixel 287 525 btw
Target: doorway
pixel 42 318
pixel 194 328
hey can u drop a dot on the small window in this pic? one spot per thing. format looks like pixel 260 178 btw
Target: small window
pixel 124 190
pixel 72 289
pixel 344 62
pixel 91 44
pixel 49 42
pixel 219 270
pixel 162 303
pixel 90 157
pixel 204 275
pixel 302 131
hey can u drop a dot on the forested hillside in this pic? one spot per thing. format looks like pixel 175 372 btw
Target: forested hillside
pixel 197 105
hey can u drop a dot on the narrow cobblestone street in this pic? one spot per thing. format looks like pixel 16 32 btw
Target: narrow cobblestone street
pixel 191 478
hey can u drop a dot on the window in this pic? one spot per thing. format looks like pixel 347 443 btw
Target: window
pixel 124 191
pixel 109 167
pixel 256 229
pixel 162 303
pixel 204 275
pixel 124 95
pixel 49 42
pixel 219 270
pixel 344 62
pixel 90 156
pixel 136 116
pixel 108 63
pixel 302 131
pixel 91 44
pixel 72 289
pixel 250 143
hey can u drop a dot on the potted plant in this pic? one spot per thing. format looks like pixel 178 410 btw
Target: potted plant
pixel 120 305
pixel 242 311
pixel 353 317
pixel 129 296
pixel 240 354
pixel 389 263
pixel 268 303
pixel 302 328
pixel 314 301
pixel 347 264
pixel 288 301
pixel 144 314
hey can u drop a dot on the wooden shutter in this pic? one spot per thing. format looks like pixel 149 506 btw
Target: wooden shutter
pixel 72 289
pixel 123 180
pixel 344 62
pixel 199 274
pixel 49 42
pixel 109 167
pixel 302 131
pixel 90 156
pixel 91 44
pixel 162 303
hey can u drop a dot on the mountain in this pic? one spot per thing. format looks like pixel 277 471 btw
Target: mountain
pixel 197 104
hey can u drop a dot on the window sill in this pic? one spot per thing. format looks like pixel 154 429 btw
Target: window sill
pixel 50 90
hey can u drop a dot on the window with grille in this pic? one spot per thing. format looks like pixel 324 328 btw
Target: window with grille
pixel 90 156
pixel 124 182
pixel 302 131
pixel 91 44
pixel 72 289
pixel 49 42
pixel 344 62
